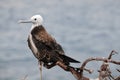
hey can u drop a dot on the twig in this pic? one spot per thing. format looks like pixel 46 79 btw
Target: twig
pixel 89 70
pixel 112 77
pixel 112 53
pixel 118 70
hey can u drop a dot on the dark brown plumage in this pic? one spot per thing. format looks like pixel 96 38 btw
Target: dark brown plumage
pixel 48 50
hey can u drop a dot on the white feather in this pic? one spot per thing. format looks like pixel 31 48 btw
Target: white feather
pixel 33 45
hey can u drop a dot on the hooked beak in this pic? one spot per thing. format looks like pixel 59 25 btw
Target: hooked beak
pixel 24 21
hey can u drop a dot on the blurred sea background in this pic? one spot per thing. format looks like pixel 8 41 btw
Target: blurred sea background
pixel 84 28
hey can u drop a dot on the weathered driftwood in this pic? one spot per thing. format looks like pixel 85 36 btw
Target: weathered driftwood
pixel 104 72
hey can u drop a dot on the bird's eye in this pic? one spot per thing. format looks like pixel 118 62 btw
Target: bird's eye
pixel 35 19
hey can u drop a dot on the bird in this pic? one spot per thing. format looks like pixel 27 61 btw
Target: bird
pixel 43 46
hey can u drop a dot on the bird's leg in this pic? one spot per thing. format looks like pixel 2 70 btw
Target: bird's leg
pixel 49 65
pixel 40 67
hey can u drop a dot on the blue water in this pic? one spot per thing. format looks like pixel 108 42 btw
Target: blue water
pixel 85 28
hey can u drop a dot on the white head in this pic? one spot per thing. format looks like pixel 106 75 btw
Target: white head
pixel 36 20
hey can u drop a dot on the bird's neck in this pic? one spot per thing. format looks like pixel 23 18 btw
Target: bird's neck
pixel 37 29
pixel 33 26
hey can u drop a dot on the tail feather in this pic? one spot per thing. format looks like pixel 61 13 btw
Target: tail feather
pixel 69 59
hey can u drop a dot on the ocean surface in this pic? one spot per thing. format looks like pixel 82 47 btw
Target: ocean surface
pixel 84 28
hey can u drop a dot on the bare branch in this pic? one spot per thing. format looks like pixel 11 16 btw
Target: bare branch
pixel 73 70
pixel 104 71
pixel 112 53
pixel 96 59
